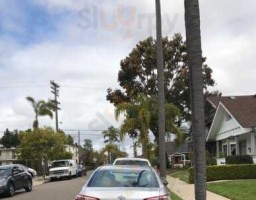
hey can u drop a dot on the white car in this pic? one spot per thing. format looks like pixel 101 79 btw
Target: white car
pixel 32 172
pixel 132 161
pixel 124 183
pixel 63 168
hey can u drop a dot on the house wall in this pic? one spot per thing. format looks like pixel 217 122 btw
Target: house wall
pixel 74 151
pixel 7 156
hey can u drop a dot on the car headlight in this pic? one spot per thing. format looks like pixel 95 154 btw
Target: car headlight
pixel 2 181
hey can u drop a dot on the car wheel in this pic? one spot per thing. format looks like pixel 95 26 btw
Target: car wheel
pixel 70 175
pixel 10 190
pixel 28 188
pixel 52 179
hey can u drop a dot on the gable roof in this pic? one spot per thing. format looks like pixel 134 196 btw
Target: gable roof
pixel 243 108
pixel 173 147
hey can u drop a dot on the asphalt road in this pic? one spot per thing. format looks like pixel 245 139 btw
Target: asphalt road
pixel 57 190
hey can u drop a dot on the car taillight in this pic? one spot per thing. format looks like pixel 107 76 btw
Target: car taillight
pixel 163 197
pixel 84 197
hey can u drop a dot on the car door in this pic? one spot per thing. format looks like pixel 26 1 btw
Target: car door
pixel 17 177
pixel 23 176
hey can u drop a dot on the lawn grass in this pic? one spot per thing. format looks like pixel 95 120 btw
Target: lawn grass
pixel 235 190
pixel 175 197
pixel 181 174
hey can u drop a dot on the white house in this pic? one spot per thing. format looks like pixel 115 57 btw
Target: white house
pixel 7 156
pixel 233 126
pixel 74 150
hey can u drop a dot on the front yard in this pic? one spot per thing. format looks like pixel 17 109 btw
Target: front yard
pixel 181 174
pixel 235 190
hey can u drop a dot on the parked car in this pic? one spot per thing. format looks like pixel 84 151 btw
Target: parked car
pixel 32 172
pixel 124 182
pixel 81 170
pixel 14 177
pixel 132 161
pixel 63 168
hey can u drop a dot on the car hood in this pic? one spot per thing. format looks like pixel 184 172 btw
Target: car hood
pixel 58 168
pixel 121 193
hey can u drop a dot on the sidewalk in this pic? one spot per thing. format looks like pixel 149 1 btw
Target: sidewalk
pixel 186 191
pixel 38 180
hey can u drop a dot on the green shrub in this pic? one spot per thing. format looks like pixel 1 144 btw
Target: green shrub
pixel 227 172
pixel 239 159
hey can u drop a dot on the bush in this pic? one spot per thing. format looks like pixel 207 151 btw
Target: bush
pixel 227 172
pixel 239 159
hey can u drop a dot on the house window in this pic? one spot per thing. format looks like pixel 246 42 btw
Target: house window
pixel 225 149
pixel 228 117
pixel 233 149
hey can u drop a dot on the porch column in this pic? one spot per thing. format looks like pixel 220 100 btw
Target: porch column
pixel 253 151
pixel 237 145
pixel 228 147
pixel 217 149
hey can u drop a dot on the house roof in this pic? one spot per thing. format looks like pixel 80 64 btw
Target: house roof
pixel 173 147
pixel 243 108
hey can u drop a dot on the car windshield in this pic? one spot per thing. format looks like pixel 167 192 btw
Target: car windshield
pixel 5 172
pixel 60 164
pixel 131 162
pixel 124 178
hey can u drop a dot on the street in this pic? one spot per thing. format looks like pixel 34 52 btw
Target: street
pixel 57 190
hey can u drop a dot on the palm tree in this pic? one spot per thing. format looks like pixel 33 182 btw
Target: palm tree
pixel 112 135
pixel 193 34
pixel 137 118
pixel 41 108
pixel 161 96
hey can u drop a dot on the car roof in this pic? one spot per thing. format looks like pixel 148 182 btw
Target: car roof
pixel 125 167
pixel 139 159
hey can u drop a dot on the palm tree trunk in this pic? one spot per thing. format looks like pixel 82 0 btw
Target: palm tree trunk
pixel 193 33
pixel 161 96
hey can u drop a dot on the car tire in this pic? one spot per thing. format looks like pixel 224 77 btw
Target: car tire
pixel 10 190
pixel 70 175
pixel 52 179
pixel 29 187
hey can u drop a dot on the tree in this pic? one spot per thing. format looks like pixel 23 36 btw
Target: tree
pixel 161 95
pixel 141 117
pixel 10 139
pixel 193 34
pixel 43 143
pixel 87 153
pixel 41 108
pixel 70 140
pixel 111 135
pixel 138 74
pixel 113 152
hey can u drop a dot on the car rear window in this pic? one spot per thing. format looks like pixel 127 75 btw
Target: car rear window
pixel 131 162
pixel 124 178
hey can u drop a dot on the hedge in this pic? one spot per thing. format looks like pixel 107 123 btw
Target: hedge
pixel 239 159
pixel 227 172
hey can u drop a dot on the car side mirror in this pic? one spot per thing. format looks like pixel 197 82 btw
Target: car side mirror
pixel 71 165
pixel 165 182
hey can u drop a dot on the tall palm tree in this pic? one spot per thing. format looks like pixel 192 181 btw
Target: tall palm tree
pixel 137 118
pixel 194 49
pixel 41 108
pixel 112 135
pixel 161 96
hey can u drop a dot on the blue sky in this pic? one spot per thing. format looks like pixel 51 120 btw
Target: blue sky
pixel 43 40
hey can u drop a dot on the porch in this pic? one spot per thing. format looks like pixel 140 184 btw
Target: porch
pixel 244 144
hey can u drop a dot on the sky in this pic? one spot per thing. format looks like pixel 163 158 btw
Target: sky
pixel 79 44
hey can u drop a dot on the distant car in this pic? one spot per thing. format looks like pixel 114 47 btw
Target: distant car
pixel 14 177
pixel 124 183
pixel 81 170
pixel 32 172
pixel 132 161
pixel 63 168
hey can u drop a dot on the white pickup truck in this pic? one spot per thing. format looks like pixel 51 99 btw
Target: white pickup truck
pixel 63 168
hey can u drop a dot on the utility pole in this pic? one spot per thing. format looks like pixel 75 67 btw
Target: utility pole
pixel 78 147
pixel 55 103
